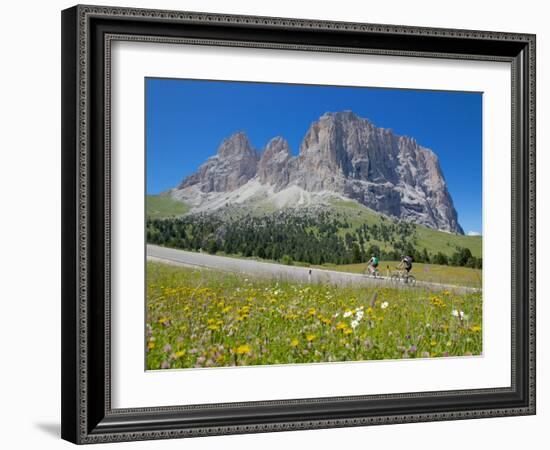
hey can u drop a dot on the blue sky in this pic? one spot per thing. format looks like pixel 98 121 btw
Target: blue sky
pixel 186 120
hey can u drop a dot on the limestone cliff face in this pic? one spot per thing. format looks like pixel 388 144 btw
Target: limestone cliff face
pixel 235 164
pixel 273 167
pixel 344 154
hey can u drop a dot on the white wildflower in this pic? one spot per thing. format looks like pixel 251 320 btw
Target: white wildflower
pixel 354 324
pixel 348 314
pixel 384 305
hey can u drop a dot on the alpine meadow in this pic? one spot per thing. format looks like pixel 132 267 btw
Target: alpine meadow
pixel 294 224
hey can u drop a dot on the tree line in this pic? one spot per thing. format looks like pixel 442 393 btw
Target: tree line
pixel 313 237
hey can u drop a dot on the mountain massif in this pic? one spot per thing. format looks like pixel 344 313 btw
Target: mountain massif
pixel 341 156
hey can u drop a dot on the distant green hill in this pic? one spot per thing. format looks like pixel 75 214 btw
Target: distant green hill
pixel 162 206
pixel 423 237
pixel 342 232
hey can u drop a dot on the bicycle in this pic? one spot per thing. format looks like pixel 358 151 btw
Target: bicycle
pixel 401 275
pixel 371 272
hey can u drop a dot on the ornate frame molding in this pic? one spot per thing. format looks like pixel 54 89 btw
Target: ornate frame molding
pixel 80 418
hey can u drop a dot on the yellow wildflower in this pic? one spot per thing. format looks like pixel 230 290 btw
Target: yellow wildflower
pixel 310 337
pixel 294 342
pixel 242 349
pixel 341 326
pixel 437 302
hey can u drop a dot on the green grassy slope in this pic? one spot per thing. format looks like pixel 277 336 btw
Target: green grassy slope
pixel 432 240
pixel 162 206
pixel 304 234
pixel 434 273
pixel 446 242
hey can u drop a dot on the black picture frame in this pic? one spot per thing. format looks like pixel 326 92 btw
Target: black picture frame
pixel 87 416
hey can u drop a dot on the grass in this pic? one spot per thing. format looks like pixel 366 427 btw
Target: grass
pixel 434 273
pixel 162 206
pixel 446 243
pixel 203 318
pixel 432 240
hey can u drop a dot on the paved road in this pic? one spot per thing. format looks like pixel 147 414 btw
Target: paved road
pixel 273 270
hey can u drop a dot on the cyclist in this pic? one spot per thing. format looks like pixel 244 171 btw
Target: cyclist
pixel 372 265
pixel 406 263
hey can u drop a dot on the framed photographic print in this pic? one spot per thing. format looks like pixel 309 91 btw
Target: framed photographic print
pixel 279 224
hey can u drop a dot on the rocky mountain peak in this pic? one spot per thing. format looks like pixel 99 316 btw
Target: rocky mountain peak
pixel 339 116
pixel 276 151
pixel 273 165
pixel 235 163
pixel 236 145
pixel 275 146
pixel 344 154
